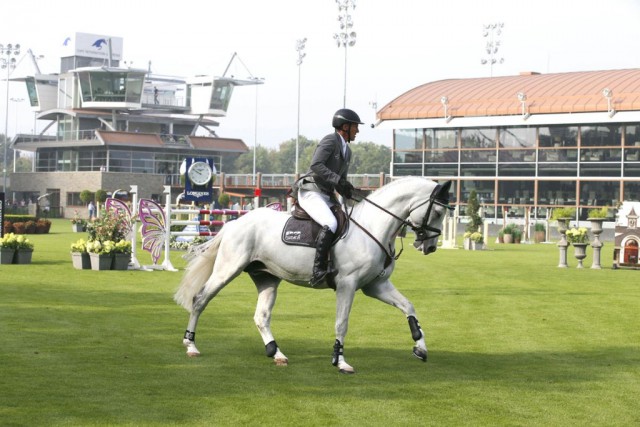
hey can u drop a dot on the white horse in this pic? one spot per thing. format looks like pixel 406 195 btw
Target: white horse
pixel 364 259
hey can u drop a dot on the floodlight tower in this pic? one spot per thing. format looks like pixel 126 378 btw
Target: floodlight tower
pixel 300 45
pixel 492 32
pixel 345 38
pixel 9 63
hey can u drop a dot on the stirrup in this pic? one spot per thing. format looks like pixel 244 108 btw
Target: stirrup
pixel 326 273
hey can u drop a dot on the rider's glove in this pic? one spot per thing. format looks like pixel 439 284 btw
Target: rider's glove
pixel 345 188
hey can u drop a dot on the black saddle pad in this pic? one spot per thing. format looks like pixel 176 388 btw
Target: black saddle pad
pixel 300 232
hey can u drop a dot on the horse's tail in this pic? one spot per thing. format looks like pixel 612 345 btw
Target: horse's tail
pixel 198 271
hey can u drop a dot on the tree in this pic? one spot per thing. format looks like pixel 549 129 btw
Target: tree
pixel 369 158
pixel 224 200
pixel 101 196
pixel 86 196
pixel 475 222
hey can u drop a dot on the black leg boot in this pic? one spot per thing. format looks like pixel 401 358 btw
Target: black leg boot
pixel 320 265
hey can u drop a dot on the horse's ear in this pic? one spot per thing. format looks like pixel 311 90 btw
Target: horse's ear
pixel 443 192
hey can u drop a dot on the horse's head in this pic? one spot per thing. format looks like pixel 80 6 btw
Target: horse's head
pixel 426 218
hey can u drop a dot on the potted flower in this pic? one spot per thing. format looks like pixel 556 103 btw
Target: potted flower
pixel 509 233
pixel 100 253
pixel 7 249
pixel 122 254
pixel 597 217
pixel 477 241
pixel 579 238
pixel 539 232
pixel 21 247
pixel 80 256
pixel 466 240
pixel 517 234
pixel 78 224
pixel 563 216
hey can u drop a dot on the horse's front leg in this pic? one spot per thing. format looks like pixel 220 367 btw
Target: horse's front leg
pixel 386 292
pixel 344 301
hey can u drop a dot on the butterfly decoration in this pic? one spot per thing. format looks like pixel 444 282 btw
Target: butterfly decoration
pixel 276 206
pixel 121 211
pixel 154 226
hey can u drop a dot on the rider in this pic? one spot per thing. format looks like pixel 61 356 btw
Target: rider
pixel 328 173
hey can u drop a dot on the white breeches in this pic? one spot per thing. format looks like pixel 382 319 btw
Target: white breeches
pixel 317 206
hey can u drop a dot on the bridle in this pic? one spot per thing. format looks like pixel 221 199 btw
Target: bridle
pixel 421 230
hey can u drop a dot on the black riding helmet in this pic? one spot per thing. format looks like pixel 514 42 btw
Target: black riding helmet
pixel 343 116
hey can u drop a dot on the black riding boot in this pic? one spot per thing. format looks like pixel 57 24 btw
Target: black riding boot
pixel 320 265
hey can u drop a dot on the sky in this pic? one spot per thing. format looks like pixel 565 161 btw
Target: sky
pixel 400 45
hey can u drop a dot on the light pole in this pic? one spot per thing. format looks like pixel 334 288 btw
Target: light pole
pixel 492 33
pixel 15 112
pixel 345 37
pixel 257 81
pixel 9 63
pixel 300 44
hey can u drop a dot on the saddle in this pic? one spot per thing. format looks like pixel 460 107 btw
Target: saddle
pixel 302 230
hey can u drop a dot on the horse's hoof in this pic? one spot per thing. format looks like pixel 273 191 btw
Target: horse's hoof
pixel 345 368
pixel 281 362
pixel 193 353
pixel 420 353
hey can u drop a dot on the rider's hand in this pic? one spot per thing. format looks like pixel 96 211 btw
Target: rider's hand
pixel 345 188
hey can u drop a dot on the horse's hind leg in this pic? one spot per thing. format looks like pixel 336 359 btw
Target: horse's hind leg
pixel 220 277
pixel 199 304
pixel 386 292
pixel 267 286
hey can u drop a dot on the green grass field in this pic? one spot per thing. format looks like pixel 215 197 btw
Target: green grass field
pixel 513 340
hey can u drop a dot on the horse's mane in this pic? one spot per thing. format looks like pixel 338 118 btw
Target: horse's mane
pixel 391 186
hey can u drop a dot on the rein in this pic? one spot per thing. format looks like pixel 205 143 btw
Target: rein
pixel 421 230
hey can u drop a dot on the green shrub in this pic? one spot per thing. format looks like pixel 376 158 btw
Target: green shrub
pixel 477 237
pixel 510 229
pixel 601 213
pixel 563 213
pixel 224 200
pixel 538 226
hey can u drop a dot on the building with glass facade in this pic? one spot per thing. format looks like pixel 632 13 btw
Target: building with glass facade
pixel 527 142
pixel 116 126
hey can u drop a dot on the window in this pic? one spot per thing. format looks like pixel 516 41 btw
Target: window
pixel 556 192
pixel 141 162
pixel 408 139
pixel 515 192
pixel 632 136
pixel 221 95
pixel 484 190
pixel 446 138
pixel 632 191
pixel 601 136
pixel 522 137
pixel 119 161
pixel 558 169
pixel 407 170
pixel 558 136
pixel 46 161
pixel 598 193
pixel 407 157
pixel 478 138
pixel 73 199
